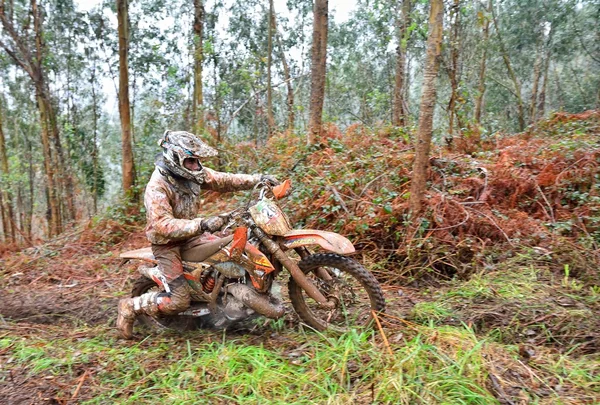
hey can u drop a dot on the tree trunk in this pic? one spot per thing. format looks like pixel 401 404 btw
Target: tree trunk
pixel 62 187
pixel 453 68
pixel 511 73
pixel 69 213
pixel 49 129
pixel 399 104
pixel 482 67
pixel 286 77
pixel 270 117
pixel 5 226
pixel 318 70
pixel 64 183
pixel 541 103
pixel 424 133
pixel 53 208
pixel 49 133
pixel 537 68
pixel 217 106
pixel 28 223
pixel 94 140
pixel 541 106
pixel 198 100
pixel 8 216
pixel 124 107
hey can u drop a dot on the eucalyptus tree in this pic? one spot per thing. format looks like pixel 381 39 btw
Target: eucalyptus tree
pixel 245 72
pixel 400 107
pixel 24 41
pixel 20 175
pixel 6 198
pixel 572 65
pixel 318 69
pixel 252 22
pixel 483 20
pixel 368 81
pixel 291 116
pixel 270 29
pixel 428 99
pixel 127 165
pixel 73 55
pixel 198 98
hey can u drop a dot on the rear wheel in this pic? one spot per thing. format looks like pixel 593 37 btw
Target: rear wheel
pixel 355 290
pixel 145 285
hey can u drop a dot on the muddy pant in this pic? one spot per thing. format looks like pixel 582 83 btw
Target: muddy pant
pixel 171 267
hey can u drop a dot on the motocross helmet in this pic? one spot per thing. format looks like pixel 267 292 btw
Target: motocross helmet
pixel 179 146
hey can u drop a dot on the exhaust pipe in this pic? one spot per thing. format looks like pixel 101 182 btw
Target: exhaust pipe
pixel 258 302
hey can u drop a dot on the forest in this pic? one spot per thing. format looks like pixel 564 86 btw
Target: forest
pixel 455 143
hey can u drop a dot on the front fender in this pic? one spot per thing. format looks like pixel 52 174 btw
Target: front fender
pixel 327 240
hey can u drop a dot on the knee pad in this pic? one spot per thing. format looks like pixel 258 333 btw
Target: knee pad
pixel 177 301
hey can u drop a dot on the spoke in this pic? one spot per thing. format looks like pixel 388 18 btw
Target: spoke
pixel 351 304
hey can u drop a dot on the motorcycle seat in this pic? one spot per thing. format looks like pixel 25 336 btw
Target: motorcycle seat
pixel 196 254
pixel 202 252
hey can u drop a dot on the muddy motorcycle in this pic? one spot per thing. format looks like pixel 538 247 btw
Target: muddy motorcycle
pixel 235 278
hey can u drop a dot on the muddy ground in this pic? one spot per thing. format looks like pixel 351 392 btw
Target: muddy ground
pixel 73 289
pixel 46 297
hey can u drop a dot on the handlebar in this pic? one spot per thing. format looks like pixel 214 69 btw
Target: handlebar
pixel 279 191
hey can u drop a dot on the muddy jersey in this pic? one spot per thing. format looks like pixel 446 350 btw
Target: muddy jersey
pixel 174 207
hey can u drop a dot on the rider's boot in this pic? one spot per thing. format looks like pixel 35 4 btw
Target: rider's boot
pixel 126 318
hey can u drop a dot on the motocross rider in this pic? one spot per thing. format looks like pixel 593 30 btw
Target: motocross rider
pixel 172 201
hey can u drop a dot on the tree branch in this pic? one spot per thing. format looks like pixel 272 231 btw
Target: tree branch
pixel 17 60
pixel 578 32
pixel 512 91
pixel 257 92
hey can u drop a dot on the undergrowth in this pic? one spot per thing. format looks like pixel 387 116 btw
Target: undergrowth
pixel 539 189
pixel 520 301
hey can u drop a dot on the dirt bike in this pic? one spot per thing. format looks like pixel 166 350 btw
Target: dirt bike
pixel 233 278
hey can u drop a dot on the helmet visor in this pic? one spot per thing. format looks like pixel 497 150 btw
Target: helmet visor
pixel 192 164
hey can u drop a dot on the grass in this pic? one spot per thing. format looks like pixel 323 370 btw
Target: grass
pixel 300 368
pixel 500 283
pixel 442 365
pixel 465 345
pixel 439 360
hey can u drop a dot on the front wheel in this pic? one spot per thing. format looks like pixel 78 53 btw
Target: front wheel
pixel 355 291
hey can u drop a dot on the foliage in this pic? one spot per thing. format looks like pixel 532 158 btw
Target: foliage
pixel 81 59
pixel 533 189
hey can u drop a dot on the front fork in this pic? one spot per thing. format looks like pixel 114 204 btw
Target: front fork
pixel 303 252
pixel 297 273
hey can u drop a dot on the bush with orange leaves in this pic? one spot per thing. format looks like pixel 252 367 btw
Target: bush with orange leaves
pixel 515 191
pixel 538 189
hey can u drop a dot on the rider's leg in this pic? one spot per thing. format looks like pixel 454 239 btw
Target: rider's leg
pixel 152 304
pixel 155 303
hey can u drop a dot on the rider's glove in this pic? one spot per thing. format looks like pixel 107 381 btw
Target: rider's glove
pixel 212 224
pixel 270 180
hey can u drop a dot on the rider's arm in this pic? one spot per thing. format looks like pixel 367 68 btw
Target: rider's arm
pixel 223 182
pixel 162 227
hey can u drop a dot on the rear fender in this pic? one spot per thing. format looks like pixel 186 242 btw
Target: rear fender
pixel 309 237
pixel 144 254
